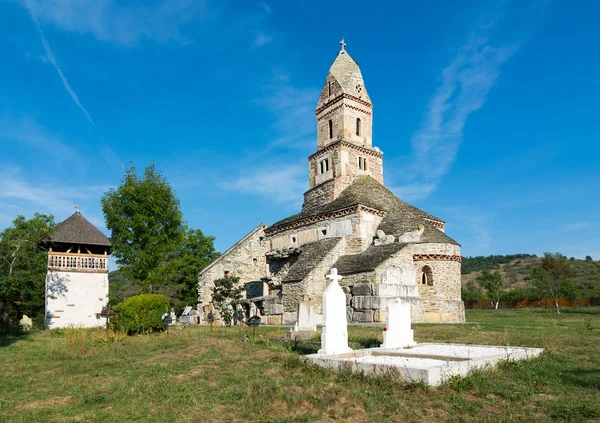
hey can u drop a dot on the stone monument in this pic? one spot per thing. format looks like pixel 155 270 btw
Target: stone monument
pixel 397 332
pixel 334 339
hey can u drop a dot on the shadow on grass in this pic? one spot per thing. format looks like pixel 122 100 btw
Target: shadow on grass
pixel 582 378
pixel 9 335
pixel 581 310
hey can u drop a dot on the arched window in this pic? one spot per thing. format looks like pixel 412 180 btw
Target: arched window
pixel 426 276
pixel 330 129
pixel 358 127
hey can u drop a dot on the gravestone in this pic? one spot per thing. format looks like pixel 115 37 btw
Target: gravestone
pixel 308 318
pixel 397 332
pixel 26 323
pixel 334 339
pixel 185 317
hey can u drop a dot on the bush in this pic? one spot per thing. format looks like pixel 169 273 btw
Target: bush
pixel 141 313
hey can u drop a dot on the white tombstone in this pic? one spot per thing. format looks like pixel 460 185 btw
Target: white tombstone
pixel 397 332
pixel 173 317
pixel 334 339
pixel 308 319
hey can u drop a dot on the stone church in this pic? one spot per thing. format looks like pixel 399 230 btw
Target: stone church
pixel 384 247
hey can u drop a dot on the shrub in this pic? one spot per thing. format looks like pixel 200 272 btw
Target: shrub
pixel 141 313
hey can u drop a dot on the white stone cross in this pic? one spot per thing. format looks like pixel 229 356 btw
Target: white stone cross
pixel 334 276
pixel 77 208
pixel 343 44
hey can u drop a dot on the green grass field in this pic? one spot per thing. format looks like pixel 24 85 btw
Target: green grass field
pixel 201 376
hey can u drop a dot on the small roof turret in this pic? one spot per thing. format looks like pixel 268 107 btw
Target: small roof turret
pixel 78 230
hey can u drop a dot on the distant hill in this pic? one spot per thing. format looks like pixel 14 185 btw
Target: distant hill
pixel 516 269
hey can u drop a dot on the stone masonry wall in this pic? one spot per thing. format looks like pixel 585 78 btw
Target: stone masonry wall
pixel 312 286
pixel 245 260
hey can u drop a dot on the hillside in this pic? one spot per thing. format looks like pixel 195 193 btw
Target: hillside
pixel 516 268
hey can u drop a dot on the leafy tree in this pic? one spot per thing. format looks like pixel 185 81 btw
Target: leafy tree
pixel 471 292
pixel 493 283
pixel 588 258
pixel 226 290
pixel 23 263
pixel 181 267
pixel 553 277
pixel 145 220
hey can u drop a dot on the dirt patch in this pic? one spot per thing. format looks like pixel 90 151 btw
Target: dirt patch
pixel 50 403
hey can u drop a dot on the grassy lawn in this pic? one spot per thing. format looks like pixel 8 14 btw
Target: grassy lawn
pixel 203 376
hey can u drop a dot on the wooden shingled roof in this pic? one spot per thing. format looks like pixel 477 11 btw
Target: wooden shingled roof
pixel 78 230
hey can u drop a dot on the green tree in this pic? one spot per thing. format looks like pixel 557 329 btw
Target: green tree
pixel 493 283
pixel 145 221
pixel 554 277
pixel 588 258
pixel 471 292
pixel 226 290
pixel 23 263
pixel 181 267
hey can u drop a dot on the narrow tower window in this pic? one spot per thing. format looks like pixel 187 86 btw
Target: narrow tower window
pixel 329 87
pixel 330 129
pixel 358 127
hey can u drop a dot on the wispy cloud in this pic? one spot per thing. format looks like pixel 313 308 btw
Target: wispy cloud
pixel 474 226
pixel 465 84
pixel 284 185
pixel 110 157
pixel 28 132
pixel 293 111
pixel 52 59
pixel 122 24
pixel 46 197
pixel 261 39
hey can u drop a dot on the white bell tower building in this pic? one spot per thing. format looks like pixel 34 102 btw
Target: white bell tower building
pixel 77 278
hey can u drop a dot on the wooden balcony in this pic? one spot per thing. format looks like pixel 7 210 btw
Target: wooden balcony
pixel 76 262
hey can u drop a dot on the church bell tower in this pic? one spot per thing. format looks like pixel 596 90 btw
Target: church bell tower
pixel 344 134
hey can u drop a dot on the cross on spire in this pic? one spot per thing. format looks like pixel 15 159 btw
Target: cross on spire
pixel 77 208
pixel 343 44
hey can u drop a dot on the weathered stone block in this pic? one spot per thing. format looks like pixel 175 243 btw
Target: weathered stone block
pixel 272 308
pixel 365 303
pixel 361 289
pixel 431 317
pixel 274 320
pixel 349 313
pixel 348 299
pixel 346 289
pixel 394 290
pixel 365 316
pixel 379 316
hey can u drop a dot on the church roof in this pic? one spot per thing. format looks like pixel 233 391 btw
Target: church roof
pixel 310 256
pixel 400 217
pixel 78 230
pixel 367 260
pixel 346 72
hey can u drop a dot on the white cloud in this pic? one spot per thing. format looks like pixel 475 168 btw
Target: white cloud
pixel 473 225
pixel 284 185
pixel 261 39
pixel 124 25
pixel 47 196
pixel 466 82
pixel 28 132
pixel 293 111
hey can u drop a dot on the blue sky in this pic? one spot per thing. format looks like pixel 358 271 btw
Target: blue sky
pixel 487 112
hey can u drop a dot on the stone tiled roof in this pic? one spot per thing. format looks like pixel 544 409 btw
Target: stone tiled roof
pixel 310 256
pixel 400 217
pixel 346 72
pixel 78 230
pixel 367 260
